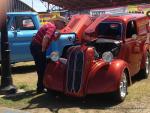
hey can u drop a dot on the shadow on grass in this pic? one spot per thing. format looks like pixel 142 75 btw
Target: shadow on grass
pixel 20 96
pixel 138 77
pixel 55 102
pixel 22 69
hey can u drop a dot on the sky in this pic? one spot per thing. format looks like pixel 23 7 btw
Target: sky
pixel 37 5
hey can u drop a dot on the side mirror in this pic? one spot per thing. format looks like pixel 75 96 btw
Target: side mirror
pixel 134 36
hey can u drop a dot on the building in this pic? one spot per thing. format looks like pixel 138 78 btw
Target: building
pixel 114 10
pixel 143 8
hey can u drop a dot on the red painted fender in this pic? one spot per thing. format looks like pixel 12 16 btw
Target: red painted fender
pixel 54 77
pixel 116 68
pixel 105 77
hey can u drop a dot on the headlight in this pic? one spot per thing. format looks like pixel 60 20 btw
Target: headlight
pixel 107 56
pixel 54 56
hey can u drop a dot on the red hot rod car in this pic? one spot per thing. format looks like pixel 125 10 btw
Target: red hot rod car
pixel 116 48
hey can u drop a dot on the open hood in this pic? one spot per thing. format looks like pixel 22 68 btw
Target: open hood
pixel 89 4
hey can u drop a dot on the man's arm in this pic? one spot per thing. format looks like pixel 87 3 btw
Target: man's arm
pixel 48 36
pixel 45 42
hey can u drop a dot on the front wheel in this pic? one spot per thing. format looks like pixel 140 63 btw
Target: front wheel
pixel 146 71
pixel 121 92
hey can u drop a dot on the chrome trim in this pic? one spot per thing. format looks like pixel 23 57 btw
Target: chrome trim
pixel 147 62
pixel 73 90
pixel 123 86
pixel 82 71
pixel 67 71
pixel 74 71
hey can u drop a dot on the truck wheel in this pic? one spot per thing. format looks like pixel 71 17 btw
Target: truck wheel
pixel 121 93
pixel 146 71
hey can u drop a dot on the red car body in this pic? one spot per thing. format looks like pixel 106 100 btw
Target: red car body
pixel 85 73
pixel 78 24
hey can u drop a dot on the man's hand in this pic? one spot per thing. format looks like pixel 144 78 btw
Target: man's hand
pixel 45 42
pixel 56 35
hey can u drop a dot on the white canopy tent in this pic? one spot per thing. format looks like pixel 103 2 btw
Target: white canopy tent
pixel 36 5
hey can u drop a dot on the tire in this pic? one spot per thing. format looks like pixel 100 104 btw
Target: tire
pixel 121 92
pixel 146 71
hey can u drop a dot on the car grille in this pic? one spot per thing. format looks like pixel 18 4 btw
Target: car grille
pixel 74 71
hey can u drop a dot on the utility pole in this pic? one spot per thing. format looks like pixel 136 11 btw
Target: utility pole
pixel 6 86
pixel 48 9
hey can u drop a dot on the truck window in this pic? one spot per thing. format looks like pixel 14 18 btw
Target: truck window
pixel 131 29
pixel 25 23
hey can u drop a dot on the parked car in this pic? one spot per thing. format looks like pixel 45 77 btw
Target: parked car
pixel 22 26
pixel 115 48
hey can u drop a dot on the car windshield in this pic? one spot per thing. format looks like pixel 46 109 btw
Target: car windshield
pixel 110 30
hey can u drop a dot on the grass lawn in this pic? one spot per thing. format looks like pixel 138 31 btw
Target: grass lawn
pixel 24 77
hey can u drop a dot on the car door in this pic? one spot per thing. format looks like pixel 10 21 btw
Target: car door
pixel 143 36
pixel 22 30
pixel 133 47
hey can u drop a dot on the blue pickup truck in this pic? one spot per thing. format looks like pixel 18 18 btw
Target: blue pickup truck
pixel 22 26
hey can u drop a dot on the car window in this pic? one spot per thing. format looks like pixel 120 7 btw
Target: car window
pixel 25 23
pixel 111 30
pixel 131 29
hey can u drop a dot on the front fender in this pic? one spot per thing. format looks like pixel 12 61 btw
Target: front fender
pixel 54 77
pixel 116 69
pixel 105 77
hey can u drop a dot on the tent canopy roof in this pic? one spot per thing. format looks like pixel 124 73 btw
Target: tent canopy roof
pixel 36 5
pixel 88 4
